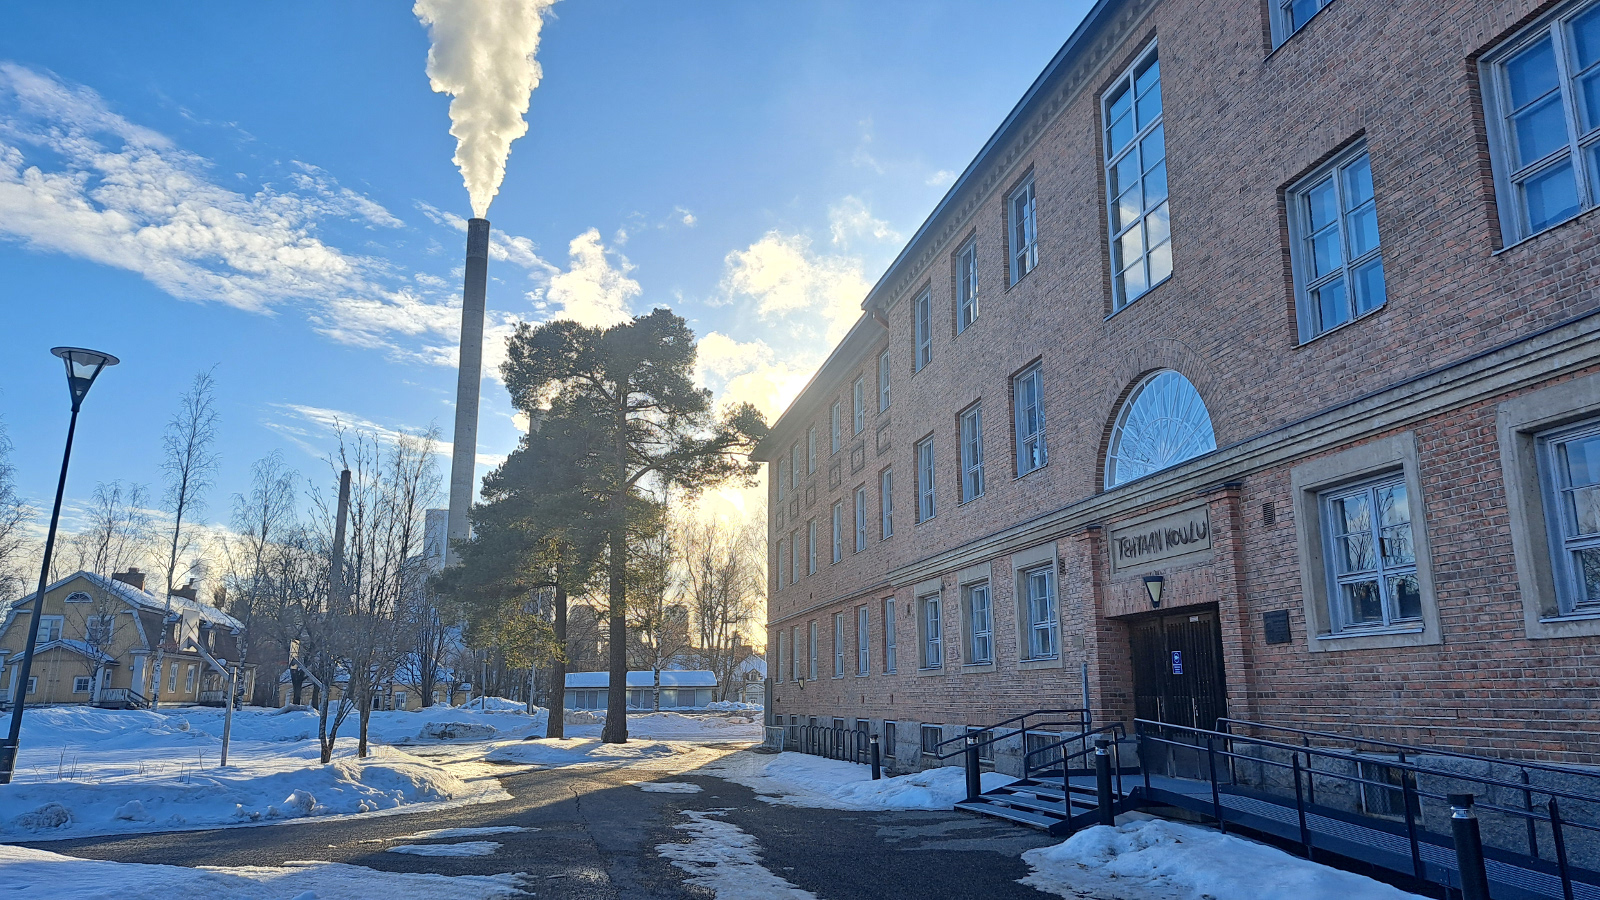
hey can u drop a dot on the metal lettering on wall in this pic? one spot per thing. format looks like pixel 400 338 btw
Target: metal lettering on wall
pixel 1179 534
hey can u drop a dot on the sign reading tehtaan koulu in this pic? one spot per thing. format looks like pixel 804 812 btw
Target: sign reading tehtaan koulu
pixel 1157 540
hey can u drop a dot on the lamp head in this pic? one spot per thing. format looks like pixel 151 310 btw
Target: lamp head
pixel 83 367
pixel 1152 586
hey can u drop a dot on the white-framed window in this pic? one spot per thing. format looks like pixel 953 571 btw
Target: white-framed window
pixel 862 634
pixel 834 425
pixel 33 684
pixel 838 645
pixel 922 329
pixel 794 648
pixel 967 285
pixel 889 655
pixel 813 648
pixel 811 450
pixel 400 699
pixel 861 518
pixel 1027 390
pixel 777 656
pixel 1570 470
pixel 1022 219
pixel 783 559
pixel 1136 182
pixel 1040 595
pixel 794 556
pixel 858 405
pixel 972 453
pixel 1333 227
pixel 886 504
pixel 97 630
pixel 932 632
pixel 794 465
pixel 1372 560
pixel 838 530
pixel 172 678
pixel 783 477
pixel 50 629
pixel 931 736
pixel 883 381
pixel 188 680
pixel 1289 16
pixel 980 623
pixel 811 547
pixel 82 684
pixel 1161 424
pixel 1542 93
pixel 925 479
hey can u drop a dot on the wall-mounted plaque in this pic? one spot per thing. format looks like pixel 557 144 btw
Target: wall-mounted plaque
pixel 1143 544
pixel 1276 626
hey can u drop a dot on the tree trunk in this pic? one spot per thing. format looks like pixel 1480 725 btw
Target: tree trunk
pixel 323 738
pixel 366 716
pixel 297 684
pixel 657 699
pixel 616 728
pixel 555 726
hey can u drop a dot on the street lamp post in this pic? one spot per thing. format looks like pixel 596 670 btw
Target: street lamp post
pixel 83 367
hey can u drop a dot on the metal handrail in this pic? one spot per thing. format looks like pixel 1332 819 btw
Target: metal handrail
pixel 848 744
pixel 1082 724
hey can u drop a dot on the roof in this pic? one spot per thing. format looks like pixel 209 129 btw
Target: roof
pixel 674 678
pixel 78 647
pixel 145 600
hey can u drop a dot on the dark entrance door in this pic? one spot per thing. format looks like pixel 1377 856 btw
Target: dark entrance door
pixel 1178 678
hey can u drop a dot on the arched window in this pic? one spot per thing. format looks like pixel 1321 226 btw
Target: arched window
pixel 1164 422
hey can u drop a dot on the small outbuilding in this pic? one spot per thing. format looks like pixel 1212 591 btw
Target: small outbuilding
pixel 680 689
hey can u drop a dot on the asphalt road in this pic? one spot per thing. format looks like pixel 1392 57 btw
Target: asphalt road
pixel 597 833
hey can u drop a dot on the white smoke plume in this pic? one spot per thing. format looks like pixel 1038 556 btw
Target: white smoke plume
pixel 483 57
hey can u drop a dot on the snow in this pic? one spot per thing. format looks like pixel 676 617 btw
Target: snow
pixel 673 726
pixel 796 779
pixel 669 787
pixel 86 771
pixel 463 848
pixel 495 704
pixel 1154 858
pixel 38 873
pixel 732 706
pixel 726 860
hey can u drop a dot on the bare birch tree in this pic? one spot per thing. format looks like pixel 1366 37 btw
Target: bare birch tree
pixel 722 578
pixel 14 517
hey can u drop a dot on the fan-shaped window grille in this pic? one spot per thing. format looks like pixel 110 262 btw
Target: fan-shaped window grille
pixel 79 597
pixel 1163 423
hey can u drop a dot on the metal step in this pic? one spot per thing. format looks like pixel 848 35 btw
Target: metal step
pixel 1054 824
pixel 1039 804
pixel 1046 789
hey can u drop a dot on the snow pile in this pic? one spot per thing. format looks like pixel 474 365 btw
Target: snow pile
pixel 669 787
pixel 732 706
pixel 37 873
pixel 556 752
pixel 462 848
pixel 583 717
pixel 439 834
pixel 498 704
pixel 86 771
pixel 672 726
pixel 796 779
pixel 726 860
pixel 1170 859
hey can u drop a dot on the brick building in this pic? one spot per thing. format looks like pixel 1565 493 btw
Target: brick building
pixel 1284 310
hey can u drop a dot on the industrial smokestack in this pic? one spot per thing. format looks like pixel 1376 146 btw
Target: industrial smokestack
pixel 469 381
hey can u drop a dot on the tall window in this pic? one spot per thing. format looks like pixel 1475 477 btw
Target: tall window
pixel 922 329
pixel 813 651
pixel 1338 263
pixel 811 449
pixel 1040 593
pixel 858 401
pixel 1162 423
pixel 794 465
pixel 1028 399
pixel 967 285
pixel 1024 230
pixel 886 504
pixel 838 530
pixel 811 547
pixel 834 425
pixel 861 640
pixel 888 635
pixel 932 636
pixel 980 624
pixel 861 518
pixel 794 557
pixel 838 645
pixel 783 477
pixel 972 454
pixel 1289 16
pixel 50 629
pixel 1373 571
pixel 794 648
pixel 783 560
pixel 777 656
pixel 925 479
pixel 883 381
pixel 1542 90
pixel 1136 182
pixel 1572 460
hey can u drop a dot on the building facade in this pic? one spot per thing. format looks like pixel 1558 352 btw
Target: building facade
pixel 1251 369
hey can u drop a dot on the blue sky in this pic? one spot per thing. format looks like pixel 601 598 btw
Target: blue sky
pixel 267 188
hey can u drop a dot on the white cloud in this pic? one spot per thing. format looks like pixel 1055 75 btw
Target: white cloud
pixel 687 218
pixel 340 201
pixel 312 427
pixel 593 291
pixel 750 371
pixel 941 178
pixel 787 280
pixel 850 218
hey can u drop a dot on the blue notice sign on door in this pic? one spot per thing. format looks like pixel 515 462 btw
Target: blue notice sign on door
pixel 1177 662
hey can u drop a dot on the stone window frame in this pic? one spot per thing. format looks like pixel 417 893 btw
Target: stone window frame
pixel 966 579
pixel 1023 564
pixel 1309 481
pixel 932 589
pixel 1520 422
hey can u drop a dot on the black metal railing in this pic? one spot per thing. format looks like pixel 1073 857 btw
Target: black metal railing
pixel 830 742
pixel 1287 774
pixel 1017 726
pixel 1043 762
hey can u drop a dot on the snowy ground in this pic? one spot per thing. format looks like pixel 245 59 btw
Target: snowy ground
pixel 37 873
pixel 1153 859
pixel 795 779
pixel 89 771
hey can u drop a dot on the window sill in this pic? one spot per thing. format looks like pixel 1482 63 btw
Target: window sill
pixel 1049 662
pixel 1129 305
pixel 969 500
pixel 936 670
pixel 1021 475
pixel 1580 624
pixel 1539 234
pixel 1013 282
pixel 1416 635
pixel 977 668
